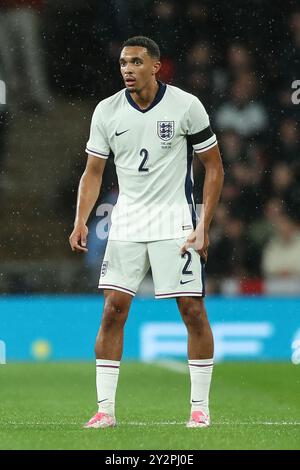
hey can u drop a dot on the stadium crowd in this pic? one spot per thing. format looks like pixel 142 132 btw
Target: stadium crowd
pixel 241 60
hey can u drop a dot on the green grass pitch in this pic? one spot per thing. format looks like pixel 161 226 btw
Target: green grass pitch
pixel 253 406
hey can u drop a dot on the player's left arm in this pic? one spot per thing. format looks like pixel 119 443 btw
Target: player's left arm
pixel 213 183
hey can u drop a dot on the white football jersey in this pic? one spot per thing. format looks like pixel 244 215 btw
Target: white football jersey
pixel 153 164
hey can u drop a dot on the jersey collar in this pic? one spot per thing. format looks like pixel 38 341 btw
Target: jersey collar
pixel 158 97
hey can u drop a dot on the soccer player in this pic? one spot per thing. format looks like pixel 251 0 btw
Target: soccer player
pixel 148 126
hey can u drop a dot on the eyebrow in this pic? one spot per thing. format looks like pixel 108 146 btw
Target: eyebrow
pixel 131 60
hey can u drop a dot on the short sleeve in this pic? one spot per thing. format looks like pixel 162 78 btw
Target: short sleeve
pixel 98 145
pixel 199 132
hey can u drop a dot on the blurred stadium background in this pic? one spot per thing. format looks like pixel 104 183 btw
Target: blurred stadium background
pixel 57 60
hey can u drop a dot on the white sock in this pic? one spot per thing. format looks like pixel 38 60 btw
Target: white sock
pixel 107 374
pixel 200 373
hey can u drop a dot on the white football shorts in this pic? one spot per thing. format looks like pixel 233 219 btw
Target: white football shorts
pixel 125 264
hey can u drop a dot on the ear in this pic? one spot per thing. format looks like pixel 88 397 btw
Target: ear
pixel 156 67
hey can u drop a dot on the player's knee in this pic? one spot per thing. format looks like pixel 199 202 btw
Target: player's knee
pixel 192 311
pixel 114 314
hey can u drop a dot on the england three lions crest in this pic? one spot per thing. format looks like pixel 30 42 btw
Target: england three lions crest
pixel 165 129
pixel 104 268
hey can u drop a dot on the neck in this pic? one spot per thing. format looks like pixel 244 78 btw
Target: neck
pixel 144 97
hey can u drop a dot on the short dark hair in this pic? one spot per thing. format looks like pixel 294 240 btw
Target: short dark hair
pixel 143 41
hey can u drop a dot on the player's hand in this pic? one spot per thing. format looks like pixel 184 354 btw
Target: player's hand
pixel 199 241
pixel 78 238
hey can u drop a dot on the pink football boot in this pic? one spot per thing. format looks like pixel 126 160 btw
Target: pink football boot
pixel 198 419
pixel 101 420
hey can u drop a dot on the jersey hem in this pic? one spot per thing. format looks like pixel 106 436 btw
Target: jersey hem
pixel 170 237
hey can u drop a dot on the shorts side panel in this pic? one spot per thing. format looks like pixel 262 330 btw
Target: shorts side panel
pixel 124 266
pixel 175 275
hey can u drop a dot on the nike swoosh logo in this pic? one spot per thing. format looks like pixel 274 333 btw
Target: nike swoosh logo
pixel 185 282
pixel 196 401
pixel 105 399
pixel 120 133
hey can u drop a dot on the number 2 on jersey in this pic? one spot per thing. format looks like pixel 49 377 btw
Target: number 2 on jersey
pixel 145 154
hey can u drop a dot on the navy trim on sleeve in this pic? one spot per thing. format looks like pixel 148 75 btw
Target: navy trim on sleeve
pixel 201 136
pixel 98 153
pixel 208 146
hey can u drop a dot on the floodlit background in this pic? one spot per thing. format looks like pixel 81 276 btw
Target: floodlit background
pixel 57 60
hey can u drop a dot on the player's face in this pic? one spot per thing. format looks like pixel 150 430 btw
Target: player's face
pixel 137 67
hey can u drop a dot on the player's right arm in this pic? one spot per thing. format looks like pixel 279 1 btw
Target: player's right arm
pixel 88 193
